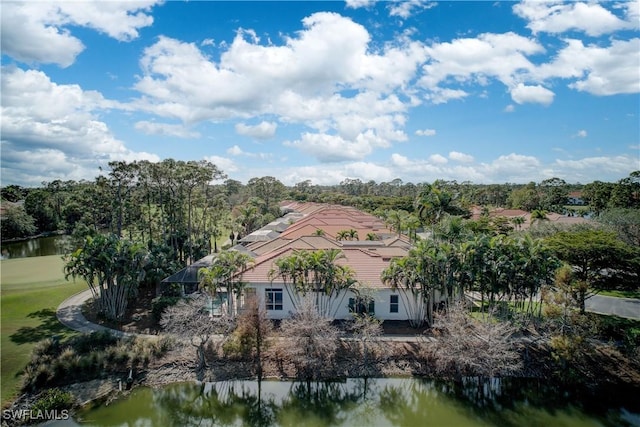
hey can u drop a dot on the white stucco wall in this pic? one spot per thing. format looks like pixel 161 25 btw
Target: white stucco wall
pixel 381 297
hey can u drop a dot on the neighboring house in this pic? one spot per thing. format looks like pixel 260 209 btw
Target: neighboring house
pixel 367 259
pixel 575 198
pixel 187 278
pixel 510 214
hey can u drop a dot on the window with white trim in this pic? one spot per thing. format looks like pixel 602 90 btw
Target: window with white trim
pixel 273 298
pixel 393 304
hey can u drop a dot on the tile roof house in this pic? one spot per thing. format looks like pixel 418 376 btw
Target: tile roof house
pixel 367 259
pixel 476 213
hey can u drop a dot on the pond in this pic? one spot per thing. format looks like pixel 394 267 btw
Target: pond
pixel 39 246
pixel 373 402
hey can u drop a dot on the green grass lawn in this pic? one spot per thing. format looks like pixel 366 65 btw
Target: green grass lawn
pixel 621 294
pixel 30 291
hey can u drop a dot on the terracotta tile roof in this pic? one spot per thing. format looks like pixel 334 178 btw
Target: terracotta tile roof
pixel 367 266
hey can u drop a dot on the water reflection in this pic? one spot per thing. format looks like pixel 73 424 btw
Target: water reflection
pixel 363 402
pixel 41 246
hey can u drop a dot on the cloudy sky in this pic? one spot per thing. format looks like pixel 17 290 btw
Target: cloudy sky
pixel 487 92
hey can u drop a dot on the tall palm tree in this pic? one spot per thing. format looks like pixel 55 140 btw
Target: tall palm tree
pixel 434 203
pixel 315 271
pixel 396 220
pixel 225 274
pixel 403 276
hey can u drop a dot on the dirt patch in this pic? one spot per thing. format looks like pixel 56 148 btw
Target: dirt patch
pixel 138 317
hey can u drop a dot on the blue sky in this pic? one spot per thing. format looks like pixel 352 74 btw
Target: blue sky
pixel 487 92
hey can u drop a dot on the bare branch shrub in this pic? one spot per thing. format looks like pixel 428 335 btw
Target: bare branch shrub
pixel 472 347
pixel 252 335
pixel 367 331
pixel 189 319
pixel 310 342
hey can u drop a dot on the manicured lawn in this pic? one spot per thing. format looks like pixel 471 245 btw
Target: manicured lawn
pixel 30 291
pixel 621 294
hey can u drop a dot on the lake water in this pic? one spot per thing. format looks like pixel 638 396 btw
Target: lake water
pixel 373 402
pixel 41 246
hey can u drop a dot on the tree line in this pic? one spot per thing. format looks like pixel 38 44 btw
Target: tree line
pixel 188 204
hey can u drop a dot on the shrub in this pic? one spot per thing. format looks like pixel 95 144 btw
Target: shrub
pixel 46 347
pixel 173 290
pixel 95 341
pixel 159 304
pixel 237 347
pixel 53 399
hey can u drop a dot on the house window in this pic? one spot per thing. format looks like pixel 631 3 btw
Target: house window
pixel 273 298
pixel 360 306
pixel 393 304
pixel 215 306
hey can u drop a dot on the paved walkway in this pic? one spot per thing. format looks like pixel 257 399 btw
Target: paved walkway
pixel 623 307
pixel 69 313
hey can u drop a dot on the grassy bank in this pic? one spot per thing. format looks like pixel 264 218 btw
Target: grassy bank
pixel 31 289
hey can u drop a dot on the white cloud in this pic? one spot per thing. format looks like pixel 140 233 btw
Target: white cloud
pixel 263 130
pixel 334 148
pixel 405 8
pixel 330 55
pixel 611 71
pixel 558 17
pixel 460 157
pixel 509 108
pixel 39 31
pixel 500 56
pixel 355 4
pixel 331 174
pixel 442 96
pixel 426 132
pixel 516 168
pixel 513 167
pixel 605 167
pixel 599 70
pixel 522 94
pixel 438 159
pixel 165 129
pixel 226 165
pixel 235 151
pixel 581 134
pixel 41 118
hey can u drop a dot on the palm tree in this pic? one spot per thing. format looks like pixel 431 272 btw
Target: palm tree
pixel 314 271
pixel 342 235
pixel 319 232
pixel 434 203
pixel 403 276
pixel 539 215
pixel 518 221
pixel 249 217
pixel 225 275
pixel 396 220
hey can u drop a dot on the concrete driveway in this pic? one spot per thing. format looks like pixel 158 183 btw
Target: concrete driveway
pixel 623 307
